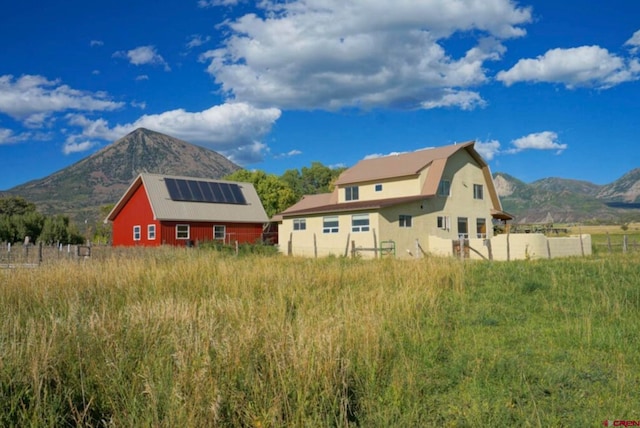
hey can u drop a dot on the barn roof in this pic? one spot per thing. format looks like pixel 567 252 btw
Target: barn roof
pixel 401 165
pixel 167 209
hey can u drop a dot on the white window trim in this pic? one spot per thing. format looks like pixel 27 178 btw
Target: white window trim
pixel 151 236
pixel 446 222
pixel 301 222
pixel 360 228
pixel 188 231
pixel 224 232
pixel 348 193
pixel 330 229
pixel 137 231
pixel 448 193
pixel 405 216
pixel 481 192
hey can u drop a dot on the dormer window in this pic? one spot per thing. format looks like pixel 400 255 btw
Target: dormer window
pixel 351 193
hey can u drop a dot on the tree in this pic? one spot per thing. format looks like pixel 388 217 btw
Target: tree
pixel 275 195
pixel 15 205
pixel 311 180
pixel 59 230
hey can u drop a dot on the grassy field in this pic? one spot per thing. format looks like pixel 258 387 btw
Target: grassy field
pixel 194 338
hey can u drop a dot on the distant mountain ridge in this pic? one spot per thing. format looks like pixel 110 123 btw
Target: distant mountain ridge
pixel 100 179
pixel 563 200
pixel 81 189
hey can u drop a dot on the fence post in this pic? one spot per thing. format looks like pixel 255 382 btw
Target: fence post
pixel 315 247
pixel 489 249
pixel 609 241
pixel 353 249
pixel 346 250
pixel 290 244
pixel 40 252
pixel 375 245
pixel 548 248
pixel 624 243
pixel 508 247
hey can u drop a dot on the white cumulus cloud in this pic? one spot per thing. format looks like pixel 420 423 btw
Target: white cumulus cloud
pixel 634 42
pixel 588 66
pixel 330 54
pixel 546 140
pixel 487 149
pixel 33 99
pixel 143 55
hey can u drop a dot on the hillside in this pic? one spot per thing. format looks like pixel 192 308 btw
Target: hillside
pixel 559 200
pixel 100 179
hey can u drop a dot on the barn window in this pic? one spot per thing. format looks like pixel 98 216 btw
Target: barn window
pixel 299 224
pixel 151 232
pixel 478 191
pixel 330 224
pixel 137 231
pixel 405 220
pixel 360 223
pixel 182 231
pixel 219 232
pixel 444 188
pixel 444 222
pixel 481 228
pixel 378 188
pixel 351 193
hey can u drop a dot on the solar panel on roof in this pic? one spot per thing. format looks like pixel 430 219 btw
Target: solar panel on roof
pixel 204 191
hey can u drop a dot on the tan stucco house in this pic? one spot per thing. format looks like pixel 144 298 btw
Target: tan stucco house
pixel 397 203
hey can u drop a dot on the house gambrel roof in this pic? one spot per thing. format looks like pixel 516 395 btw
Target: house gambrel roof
pixel 402 165
pixel 166 209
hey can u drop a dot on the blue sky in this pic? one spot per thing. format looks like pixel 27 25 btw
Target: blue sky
pixel 546 88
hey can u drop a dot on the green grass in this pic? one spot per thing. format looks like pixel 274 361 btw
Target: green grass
pixel 176 337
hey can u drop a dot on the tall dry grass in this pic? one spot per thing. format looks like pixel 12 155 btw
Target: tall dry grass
pixel 174 337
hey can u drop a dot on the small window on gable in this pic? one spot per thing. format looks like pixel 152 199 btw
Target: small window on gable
pixel 219 232
pixel 478 191
pixel 444 188
pixel 299 224
pixel 351 193
pixel 137 232
pixel 378 187
pixel 405 220
pixel 151 232
pixel 182 231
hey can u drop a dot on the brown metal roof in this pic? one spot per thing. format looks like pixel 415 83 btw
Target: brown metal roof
pixel 401 165
pixel 349 206
pixel 164 208
pixel 394 166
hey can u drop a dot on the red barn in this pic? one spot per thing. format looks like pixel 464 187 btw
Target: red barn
pixel 160 209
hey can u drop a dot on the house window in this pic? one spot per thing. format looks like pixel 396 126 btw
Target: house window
pixel 478 191
pixel 351 193
pixel 219 232
pixel 444 188
pixel 360 223
pixel 299 224
pixel 405 220
pixel 463 229
pixel 481 228
pixel 444 222
pixel 151 232
pixel 182 231
pixel 378 187
pixel 137 232
pixel 330 224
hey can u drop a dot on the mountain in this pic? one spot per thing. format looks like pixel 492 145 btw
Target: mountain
pixel 623 192
pixel 559 200
pixel 100 179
